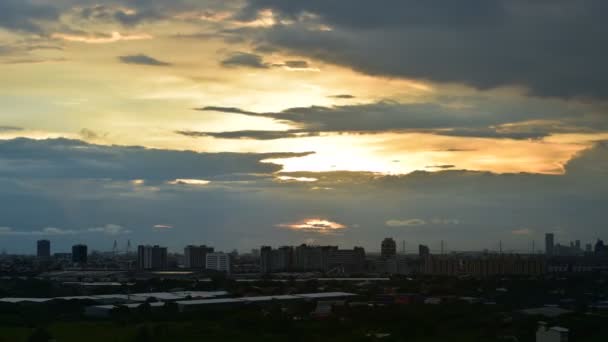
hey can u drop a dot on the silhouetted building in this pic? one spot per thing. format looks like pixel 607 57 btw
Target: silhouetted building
pixel 312 258
pixel 600 248
pixel 266 259
pixel 79 254
pixel 43 249
pixel 218 262
pixel 347 260
pixel 572 250
pixel 151 257
pixel 196 256
pixel 423 251
pixel 485 266
pixel 549 244
pixel 388 248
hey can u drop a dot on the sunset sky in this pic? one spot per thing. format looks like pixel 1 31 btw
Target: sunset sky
pixel 238 123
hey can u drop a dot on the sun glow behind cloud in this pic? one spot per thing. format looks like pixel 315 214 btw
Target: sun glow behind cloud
pixel 402 153
pixel 314 225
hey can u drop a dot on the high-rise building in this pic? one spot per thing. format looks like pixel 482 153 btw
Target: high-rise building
pixel 312 258
pixel 388 248
pixel 79 254
pixel 549 244
pixel 347 260
pixel 600 248
pixel 43 249
pixel 196 256
pixel 151 257
pixel 282 258
pixel 218 262
pixel 423 251
pixel 266 259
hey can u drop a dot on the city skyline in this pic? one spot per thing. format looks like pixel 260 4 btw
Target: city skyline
pixel 237 122
pixel 386 247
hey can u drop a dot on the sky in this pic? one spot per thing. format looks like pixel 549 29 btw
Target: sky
pixel 241 123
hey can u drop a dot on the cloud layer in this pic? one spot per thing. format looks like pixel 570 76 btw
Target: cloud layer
pixel 551 48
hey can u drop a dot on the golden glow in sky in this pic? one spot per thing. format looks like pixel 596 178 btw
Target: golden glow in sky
pixel 140 85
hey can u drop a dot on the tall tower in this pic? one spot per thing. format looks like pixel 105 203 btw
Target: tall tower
pixel 79 254
pixel 43 249
pixel 388 248
pixel 549 244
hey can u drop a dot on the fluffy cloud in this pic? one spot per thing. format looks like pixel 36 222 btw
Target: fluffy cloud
pixel 405 223
pixel 109 229
pixel 245 59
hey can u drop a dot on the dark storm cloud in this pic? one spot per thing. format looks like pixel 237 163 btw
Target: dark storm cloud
pixel 553 48
pixel 245 59
pixel 142 60
pixel 63 158
pixel 23 15
pixel 516 120
pixel 388 13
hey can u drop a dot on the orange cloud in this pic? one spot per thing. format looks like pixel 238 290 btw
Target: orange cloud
pixel 95 39
pixel 314 225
